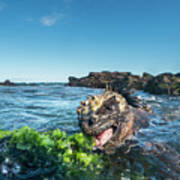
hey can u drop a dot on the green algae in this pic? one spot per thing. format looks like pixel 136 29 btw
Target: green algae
pixel 56 155
pixel 52 152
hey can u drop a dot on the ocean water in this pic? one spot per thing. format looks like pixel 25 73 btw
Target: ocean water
pixel 41 106
pixel 48 106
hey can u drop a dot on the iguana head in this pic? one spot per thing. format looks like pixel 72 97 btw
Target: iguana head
pixel 109 117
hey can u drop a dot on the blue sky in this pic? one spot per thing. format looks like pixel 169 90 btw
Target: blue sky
pixel 49 40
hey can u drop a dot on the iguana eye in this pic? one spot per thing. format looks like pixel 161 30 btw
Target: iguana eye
pixel 109 108
pixel 91 121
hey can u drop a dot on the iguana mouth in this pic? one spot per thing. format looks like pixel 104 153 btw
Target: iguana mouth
pixel 102 138
pixel 101 131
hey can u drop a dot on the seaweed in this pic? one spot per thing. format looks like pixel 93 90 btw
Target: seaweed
pixel 30 154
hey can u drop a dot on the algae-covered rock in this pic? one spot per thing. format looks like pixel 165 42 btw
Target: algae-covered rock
pixel 28 154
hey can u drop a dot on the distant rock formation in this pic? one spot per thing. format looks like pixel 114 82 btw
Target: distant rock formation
pixel 7 83
pixel 166 83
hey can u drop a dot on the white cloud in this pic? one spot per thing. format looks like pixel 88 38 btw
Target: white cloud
pixel 2 5
pixel 51 19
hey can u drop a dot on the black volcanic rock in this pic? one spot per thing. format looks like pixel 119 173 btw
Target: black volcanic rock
pixel 102 79
pixel 166 83
pixel 7 83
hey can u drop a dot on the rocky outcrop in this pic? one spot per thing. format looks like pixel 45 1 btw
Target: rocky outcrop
pixel 102 79
pixel 166 83
pixel 7 83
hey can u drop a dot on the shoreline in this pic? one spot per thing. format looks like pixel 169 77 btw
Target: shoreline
pixel 164 83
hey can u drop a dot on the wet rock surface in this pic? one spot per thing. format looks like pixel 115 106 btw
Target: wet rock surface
pixel 166 83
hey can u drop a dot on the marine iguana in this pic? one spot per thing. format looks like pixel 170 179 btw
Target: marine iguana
pixel 113 118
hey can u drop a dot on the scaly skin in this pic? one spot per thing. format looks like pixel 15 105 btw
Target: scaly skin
pixel 111 109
